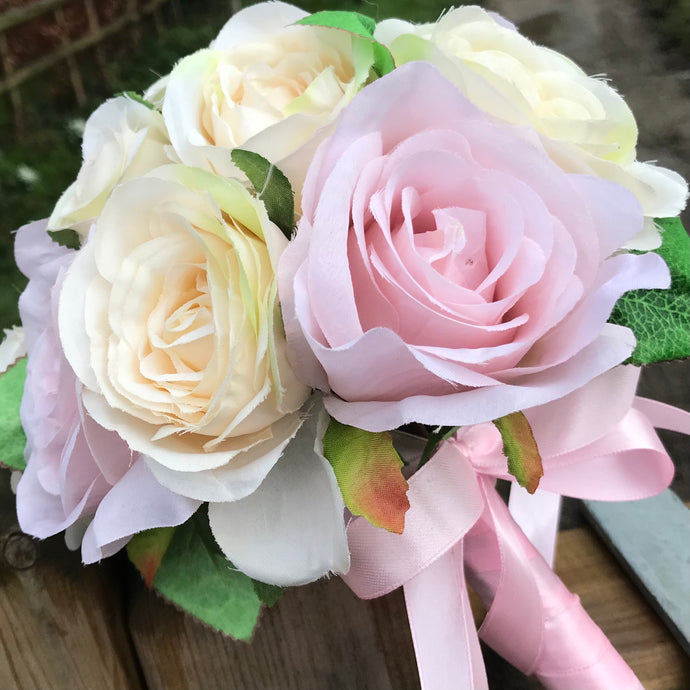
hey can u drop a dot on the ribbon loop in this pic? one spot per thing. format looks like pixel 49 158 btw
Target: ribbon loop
pixel 514 623
pixel 445 501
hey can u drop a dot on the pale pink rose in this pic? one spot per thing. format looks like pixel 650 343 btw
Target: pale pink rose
pixel 76 469
pixel 446 270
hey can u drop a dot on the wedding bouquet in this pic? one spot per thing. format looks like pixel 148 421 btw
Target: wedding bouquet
pixel 320 286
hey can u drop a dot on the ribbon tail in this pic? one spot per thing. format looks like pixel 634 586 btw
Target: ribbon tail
pixel 537 515
pixel 443 631
pixel 664 416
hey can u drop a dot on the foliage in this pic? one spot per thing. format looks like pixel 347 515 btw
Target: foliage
pixel 660 319
pixel 673 21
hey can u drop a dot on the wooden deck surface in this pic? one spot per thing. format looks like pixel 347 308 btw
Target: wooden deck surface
pixel 63 625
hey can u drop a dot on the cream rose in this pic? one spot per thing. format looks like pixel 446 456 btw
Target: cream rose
pixel 587 126
pixel 265 85
pixel 123 139
pixel 169 318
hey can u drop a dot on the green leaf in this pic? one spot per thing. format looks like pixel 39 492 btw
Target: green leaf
pixel 66 238
pixel 195 575
pixel 436 437
pixel 146 550
pixel 519 446
pixel 358 25
pixel 12 438
pixel 269 594
pixel 134 96
pixel 675 249
pixel 271 186
pixel 352 22
pixel 660 319
pixel 368 470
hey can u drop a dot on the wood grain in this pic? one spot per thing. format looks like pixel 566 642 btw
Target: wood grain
pixel 61 624
pixel 318 636
pixel 587 568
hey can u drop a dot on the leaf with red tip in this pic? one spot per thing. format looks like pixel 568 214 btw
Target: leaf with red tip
pixel 519 446
pixel 146 550
pixel 368 470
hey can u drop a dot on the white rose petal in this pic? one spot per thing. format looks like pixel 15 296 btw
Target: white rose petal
pixel 266 85
pixel 291 531
pixel 255 22
pixel 123 139
pixel 15 477
pixel 156 92
pixel 585 124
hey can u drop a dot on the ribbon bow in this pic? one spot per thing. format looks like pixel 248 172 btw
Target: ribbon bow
pixel 597 443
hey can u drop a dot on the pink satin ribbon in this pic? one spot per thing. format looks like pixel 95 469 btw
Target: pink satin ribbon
pixel 456 517
pixel 427 560
pixel 533 620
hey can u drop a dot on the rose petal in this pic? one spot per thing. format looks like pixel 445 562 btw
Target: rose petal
pixel 137 502
pixel 235 479
pixel 256 23
pixel 483 404
pixel 12 347
pixel 291 531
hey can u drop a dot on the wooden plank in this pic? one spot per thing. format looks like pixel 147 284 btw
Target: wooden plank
pixel 133 11
pixel 158 22
pixel 318 636
pixel 61 625
pixel 72 65
pixel 586 566
pixel 15 95
pixel 651 539
pixel 94 28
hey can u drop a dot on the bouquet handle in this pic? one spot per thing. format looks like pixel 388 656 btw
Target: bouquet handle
pixel 533 620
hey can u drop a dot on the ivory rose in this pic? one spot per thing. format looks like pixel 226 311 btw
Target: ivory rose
pixel 123 139
pixel 521 82
pixel 445 270
pixel 76 470
pixel 265 85
pixel 169 317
